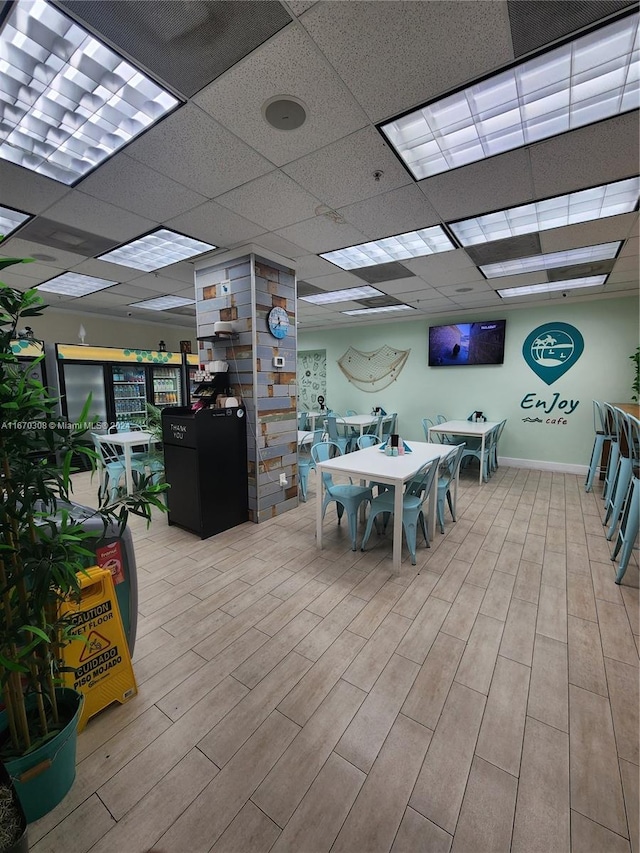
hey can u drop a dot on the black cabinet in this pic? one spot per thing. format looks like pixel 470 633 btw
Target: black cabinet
pixel 205 460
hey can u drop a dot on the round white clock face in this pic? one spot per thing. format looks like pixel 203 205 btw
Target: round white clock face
pixel 278 322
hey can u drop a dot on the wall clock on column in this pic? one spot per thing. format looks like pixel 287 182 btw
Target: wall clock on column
pixel 278 322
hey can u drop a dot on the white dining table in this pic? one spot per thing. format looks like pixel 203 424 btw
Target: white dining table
pixel 373 464
pixel 127 441
pixel 304 437
pixel 466 428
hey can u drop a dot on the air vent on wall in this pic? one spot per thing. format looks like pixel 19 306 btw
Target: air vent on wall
pixel 187 45
pixel 382 272
pixel 535 23
pixel 58 236
pixel 523 246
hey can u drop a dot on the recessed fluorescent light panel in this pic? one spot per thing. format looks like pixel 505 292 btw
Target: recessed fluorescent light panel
pixel 10 220
pixel 156 250
pixel 583 206
pixel 347 295
pixel 75 284
pixel 69 100
pixel 586 255
pixel 549 287
pixel 413 244
pixel 591 78
pixel 379 310
pixel 162 303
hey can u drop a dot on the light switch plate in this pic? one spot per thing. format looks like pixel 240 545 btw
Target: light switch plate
pixel 278 361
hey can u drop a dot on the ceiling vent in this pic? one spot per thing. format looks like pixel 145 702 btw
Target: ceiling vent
pixel 581 270
pixel 58 236
pixel 186 45
pixel 382 272
pixel 535 23
pixel 379 301
pixel 523 246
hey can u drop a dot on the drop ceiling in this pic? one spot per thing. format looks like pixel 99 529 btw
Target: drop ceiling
pixel 216 171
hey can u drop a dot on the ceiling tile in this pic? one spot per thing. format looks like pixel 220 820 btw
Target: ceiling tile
pixel 134 186
pixel 337 281
pixel 393 56
pixel 211 160
pixel 587 233
pixel 288 65
pixel 102 269
pixel 25 190
pixel 475 287
pixel 299 7
pixel 631 247
pixel 394 212
pixel 214 224
pixel 602 152
pixel 90 214
pixel 411 286
pixel 311 266
pixel 56 258
pixel 272 201
pixel 343 173
pixel 476 301
pixel 277 244
pixel 159 284
pixel 525 278
pixel 430 267
pixel 501 181
pixel 321 235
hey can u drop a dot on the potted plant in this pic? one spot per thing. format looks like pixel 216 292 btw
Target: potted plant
pixel 42 550
pixel 13 822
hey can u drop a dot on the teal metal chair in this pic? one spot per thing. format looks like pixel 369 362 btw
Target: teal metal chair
pixel 413 500
pixel 334 426
pixel 111 468
pixel 448 481
pixel 367 441
pixel 426 424
pixel 628 459
pixel 602 434
pixel 388 426
pixel 483 458
pixel 612 420
pixel 628 531
pixel 303 421
pixel 493 455
pixel 346 497
pixel 306 463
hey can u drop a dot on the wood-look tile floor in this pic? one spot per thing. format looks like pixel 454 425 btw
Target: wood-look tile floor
pixel 301 701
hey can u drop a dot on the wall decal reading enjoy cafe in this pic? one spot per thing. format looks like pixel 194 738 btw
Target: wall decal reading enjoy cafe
pixel 550 351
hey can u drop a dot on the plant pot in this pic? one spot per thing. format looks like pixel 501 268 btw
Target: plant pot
pixel 43 778
pixel 20 844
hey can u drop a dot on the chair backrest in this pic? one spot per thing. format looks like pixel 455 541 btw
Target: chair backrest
pixel 634 438
pixel 367 441
pixel 303 421
pixel 599 418
pixel 388 425
pixel 135 427
pixel 420 485
pixel 106 451
pixel 440 419
pixel 499 429
pixel 426 423
pixel 350 412
pixel 612 421
pixel 316 438
pixel 374 428
pixel 322 452
pixel 450 465
pixel 624 426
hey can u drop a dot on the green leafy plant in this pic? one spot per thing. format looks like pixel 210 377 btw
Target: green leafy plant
pixel 635 358
pixel 40 556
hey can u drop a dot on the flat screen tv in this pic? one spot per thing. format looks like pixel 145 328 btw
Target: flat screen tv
pixel 467 343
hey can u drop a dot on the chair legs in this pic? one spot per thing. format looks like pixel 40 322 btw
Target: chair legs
pixel 596 455
pixel 616 502
pixel 628 532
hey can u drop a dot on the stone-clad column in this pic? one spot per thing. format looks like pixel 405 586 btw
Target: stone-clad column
pixel 241 288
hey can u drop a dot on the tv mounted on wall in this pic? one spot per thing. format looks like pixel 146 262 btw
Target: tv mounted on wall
pixel 467 343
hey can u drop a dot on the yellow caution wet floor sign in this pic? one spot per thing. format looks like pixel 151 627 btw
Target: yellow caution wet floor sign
pixel 100 657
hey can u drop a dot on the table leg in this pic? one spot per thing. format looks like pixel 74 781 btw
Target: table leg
pixel 319 498
pixel 127 468
pixel 433 505
pixel 481 458
pixel 397 527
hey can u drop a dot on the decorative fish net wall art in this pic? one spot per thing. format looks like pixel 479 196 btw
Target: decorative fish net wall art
pixel 373 371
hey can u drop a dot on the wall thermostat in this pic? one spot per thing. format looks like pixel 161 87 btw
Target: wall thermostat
pixel 278 361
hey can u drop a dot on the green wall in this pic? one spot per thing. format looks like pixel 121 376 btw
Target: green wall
pixel 603 372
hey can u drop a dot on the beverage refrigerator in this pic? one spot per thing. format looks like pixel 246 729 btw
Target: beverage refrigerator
pixel 121 382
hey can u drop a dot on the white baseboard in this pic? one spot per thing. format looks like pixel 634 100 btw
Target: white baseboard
pixel 538 465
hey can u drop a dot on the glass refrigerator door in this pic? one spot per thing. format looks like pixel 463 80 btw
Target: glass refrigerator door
pixel 130 396
pixel 80 380
pixel 166 387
